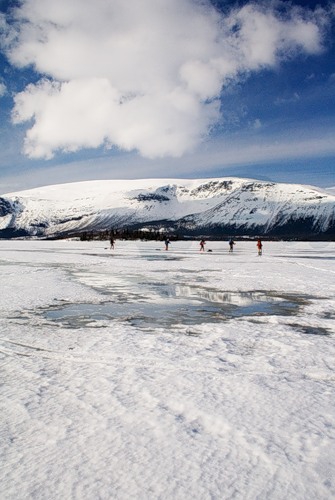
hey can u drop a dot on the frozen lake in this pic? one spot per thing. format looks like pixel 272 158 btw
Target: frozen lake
pixel 137 373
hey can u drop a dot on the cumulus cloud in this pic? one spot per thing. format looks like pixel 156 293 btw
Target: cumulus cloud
pixel 142 76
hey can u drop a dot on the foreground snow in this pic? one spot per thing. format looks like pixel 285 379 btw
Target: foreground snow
pixel 139 373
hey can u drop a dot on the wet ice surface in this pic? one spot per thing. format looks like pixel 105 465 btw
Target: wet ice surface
pixel 179 304
pixel 141 373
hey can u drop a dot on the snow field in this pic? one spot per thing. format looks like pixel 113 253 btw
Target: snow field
pixel 234 407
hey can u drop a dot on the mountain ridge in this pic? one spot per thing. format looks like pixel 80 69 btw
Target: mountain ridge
pixel 225 205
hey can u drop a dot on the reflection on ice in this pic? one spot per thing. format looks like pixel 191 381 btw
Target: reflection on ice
pixel 235 298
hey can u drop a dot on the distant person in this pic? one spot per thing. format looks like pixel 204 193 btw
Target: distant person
pixel 202 245
pixel 231 245
pixel 259 246
pixel 111 241
pixel 167 243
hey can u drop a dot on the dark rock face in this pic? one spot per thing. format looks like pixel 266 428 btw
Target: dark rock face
pixel 6 207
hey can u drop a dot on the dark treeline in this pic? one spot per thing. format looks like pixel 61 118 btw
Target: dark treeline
pixel 152 235
pixel 124 234
pixel 175 234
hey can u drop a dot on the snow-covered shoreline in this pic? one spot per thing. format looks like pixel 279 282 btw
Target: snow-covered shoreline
pixel 133 407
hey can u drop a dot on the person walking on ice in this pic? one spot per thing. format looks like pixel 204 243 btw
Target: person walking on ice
pixel 231 245
pixel 111 240
pixel 259 246
pixel 202 245
pixel 167 243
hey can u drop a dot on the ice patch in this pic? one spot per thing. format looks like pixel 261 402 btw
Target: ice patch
pixel 180 305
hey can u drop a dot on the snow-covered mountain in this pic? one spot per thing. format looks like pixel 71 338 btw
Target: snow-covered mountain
pixel 218 206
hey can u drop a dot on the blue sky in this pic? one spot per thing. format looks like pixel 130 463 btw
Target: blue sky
pixel 166 88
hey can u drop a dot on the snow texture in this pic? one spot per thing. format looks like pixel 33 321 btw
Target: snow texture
pixel 140 373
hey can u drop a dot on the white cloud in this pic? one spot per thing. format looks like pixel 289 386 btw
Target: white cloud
pixel 3 89
pixel 287 100
pixel 144 75
pixel 257 124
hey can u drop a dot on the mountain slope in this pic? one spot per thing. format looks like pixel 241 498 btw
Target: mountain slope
pixel 211 206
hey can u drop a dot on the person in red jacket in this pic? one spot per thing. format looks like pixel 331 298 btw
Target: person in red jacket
pixel 259 246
